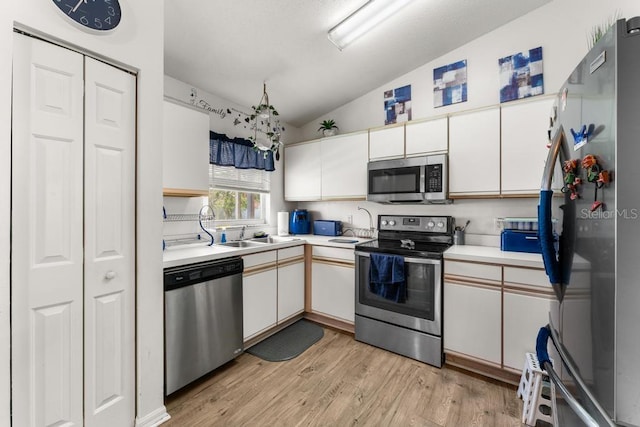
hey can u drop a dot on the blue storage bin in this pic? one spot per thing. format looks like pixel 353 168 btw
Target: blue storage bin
pixel 520 241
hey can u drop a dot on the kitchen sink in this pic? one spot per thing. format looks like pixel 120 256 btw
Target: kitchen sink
pixel 274 239
pixel 242 244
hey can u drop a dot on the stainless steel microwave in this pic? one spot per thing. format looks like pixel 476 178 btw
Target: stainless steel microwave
pixel 421 179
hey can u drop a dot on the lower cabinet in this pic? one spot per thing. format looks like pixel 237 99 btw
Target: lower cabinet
pixel 492 314
pixel 259 293
pixel 333 283
pixel 290 282
pixel 272 289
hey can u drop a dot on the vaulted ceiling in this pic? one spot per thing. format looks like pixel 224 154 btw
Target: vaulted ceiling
pixel 230 47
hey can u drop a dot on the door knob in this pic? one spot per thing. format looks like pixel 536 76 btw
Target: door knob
pixel 110 275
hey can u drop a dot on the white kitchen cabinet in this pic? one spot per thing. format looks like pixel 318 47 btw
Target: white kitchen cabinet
pixel 429 136
pixel 185 151
pixel 474 153
pixel 527 302
pixel 303 172
pixel 386 143
pixel 344 166
pixel 259 293
pixel 290 282
pixel 524 128
pixel 333 283
pixel 473 310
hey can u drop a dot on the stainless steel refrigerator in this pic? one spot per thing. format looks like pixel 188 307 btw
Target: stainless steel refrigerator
pixel 594 265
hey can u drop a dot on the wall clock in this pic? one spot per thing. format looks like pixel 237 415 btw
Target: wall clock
pixel 98 15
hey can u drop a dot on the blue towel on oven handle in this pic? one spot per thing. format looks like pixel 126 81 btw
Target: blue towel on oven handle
pixel 387 277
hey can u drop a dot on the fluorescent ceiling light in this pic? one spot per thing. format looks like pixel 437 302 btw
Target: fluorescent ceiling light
pixel 362 20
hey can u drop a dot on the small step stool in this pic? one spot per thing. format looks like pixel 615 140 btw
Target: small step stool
pixel 535 390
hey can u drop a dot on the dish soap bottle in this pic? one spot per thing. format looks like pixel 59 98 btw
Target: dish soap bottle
pixel 223 237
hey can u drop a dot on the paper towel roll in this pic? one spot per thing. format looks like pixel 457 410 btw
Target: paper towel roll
pixel 283 223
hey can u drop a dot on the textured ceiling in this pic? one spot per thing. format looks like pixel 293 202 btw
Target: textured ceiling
pixel 230 47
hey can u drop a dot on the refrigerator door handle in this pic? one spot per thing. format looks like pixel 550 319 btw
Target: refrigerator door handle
pixel 556 264
pixel 544 360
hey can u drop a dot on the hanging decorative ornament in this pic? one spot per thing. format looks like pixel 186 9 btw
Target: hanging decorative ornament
pixel 266 126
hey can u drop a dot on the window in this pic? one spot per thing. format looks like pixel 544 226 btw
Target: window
pixel 238 195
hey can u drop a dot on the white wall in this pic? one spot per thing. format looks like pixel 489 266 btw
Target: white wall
pixel 223 121
pixel 136 44
pixel 561 27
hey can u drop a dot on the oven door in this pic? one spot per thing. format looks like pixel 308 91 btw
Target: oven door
pixel 422 309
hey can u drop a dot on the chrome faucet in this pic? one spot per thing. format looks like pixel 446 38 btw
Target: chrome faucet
pixel 244 227
pixel 371 227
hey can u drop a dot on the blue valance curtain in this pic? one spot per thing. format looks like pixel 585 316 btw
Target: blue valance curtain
pixel 237 152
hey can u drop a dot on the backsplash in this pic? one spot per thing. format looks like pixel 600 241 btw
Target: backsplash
pixel 482 229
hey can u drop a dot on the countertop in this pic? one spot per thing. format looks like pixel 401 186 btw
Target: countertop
pixel 178 255
pixel 493 255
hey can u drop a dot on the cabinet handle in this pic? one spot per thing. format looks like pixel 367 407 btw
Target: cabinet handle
pixel 110 275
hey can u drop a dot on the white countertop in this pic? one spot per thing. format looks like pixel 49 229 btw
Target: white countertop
pixel 490 254
pixel 178 255
pixel 493 255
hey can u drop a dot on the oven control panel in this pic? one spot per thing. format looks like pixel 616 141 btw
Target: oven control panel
pixel 425 224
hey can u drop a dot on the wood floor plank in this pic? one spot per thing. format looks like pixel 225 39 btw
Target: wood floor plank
pixel 342 382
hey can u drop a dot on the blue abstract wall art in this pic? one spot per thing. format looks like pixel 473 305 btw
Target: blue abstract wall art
pixel 450 84
pixel 521 75
pixel 397 105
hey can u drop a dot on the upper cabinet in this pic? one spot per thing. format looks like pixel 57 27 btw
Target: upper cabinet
pixel 344 166
pixel 302 172
pixel 474 153
pixel 332 168
pixel 524 128
pixel 386 143
pixel 427 136
pixel 185 151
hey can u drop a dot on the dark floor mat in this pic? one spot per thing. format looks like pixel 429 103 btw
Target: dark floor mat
pixel 289 342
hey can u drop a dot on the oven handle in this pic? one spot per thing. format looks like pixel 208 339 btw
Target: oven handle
pixel 410 260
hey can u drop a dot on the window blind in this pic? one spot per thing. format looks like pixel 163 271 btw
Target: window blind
pixel 230 178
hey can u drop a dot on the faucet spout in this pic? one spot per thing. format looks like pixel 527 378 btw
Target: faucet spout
pixel 244 227
pixel 371 227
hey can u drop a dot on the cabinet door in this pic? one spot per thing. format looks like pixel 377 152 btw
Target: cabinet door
pixel 524 314
pixel 290 290
pixel 185 155
pixel 344 167
pixel 427 136
pixel 474 153
pixel 472 321
pixel 333 290
pixel 259 302
pixel 386 143
pixel 302 172
pixel 524 145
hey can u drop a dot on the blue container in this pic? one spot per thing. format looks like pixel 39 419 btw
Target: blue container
pixel 299 222
pixel 520 241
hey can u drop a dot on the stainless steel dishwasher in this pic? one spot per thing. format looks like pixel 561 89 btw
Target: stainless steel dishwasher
pixel 202 319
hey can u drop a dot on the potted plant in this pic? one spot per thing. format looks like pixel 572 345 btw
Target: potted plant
pixel 328 127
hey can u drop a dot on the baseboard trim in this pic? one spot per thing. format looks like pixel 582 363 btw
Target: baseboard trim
pixel 485 369
pixel 330 322
pixel 155 418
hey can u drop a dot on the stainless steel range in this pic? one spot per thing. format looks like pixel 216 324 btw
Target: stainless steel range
pixel 399 286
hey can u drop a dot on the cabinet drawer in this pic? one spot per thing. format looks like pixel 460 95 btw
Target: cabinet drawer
pixel 470 270
pixel 334 253
pixel 526 276
pixel 293 252
pixel 259 259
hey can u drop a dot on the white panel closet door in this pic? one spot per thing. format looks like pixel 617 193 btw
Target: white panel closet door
pixel 46 227
pixel 109 279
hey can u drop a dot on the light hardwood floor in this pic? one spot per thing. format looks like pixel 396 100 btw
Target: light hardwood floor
pixel 342 382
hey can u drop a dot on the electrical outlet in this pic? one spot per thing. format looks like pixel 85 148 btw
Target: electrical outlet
pixel 349 219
